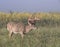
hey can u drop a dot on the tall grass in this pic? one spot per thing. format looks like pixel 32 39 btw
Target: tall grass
pixel 42 37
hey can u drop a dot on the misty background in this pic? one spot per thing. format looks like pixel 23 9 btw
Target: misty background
pixel 30 5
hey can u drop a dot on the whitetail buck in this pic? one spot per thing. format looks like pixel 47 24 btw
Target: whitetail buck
pixel 31 20
pixel 15 28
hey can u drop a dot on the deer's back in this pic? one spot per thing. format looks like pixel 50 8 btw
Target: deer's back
pixel 15 27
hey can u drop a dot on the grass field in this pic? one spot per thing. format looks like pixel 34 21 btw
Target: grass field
pixel 47 34
pixel 41 37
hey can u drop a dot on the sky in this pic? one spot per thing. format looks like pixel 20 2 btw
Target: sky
pixel 30 5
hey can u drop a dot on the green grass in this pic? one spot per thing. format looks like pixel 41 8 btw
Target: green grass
pixel 41 37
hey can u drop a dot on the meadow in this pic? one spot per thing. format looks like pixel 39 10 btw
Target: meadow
pixel 47 34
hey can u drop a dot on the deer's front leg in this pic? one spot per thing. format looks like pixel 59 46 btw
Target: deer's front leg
pixel 10 34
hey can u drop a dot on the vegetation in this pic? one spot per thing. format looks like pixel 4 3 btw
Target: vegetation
pixel 47 34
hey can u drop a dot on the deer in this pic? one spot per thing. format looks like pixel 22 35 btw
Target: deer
pixel 32 20
pixel 15 28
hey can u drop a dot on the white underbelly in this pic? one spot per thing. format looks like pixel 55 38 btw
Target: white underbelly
pixel 15 32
